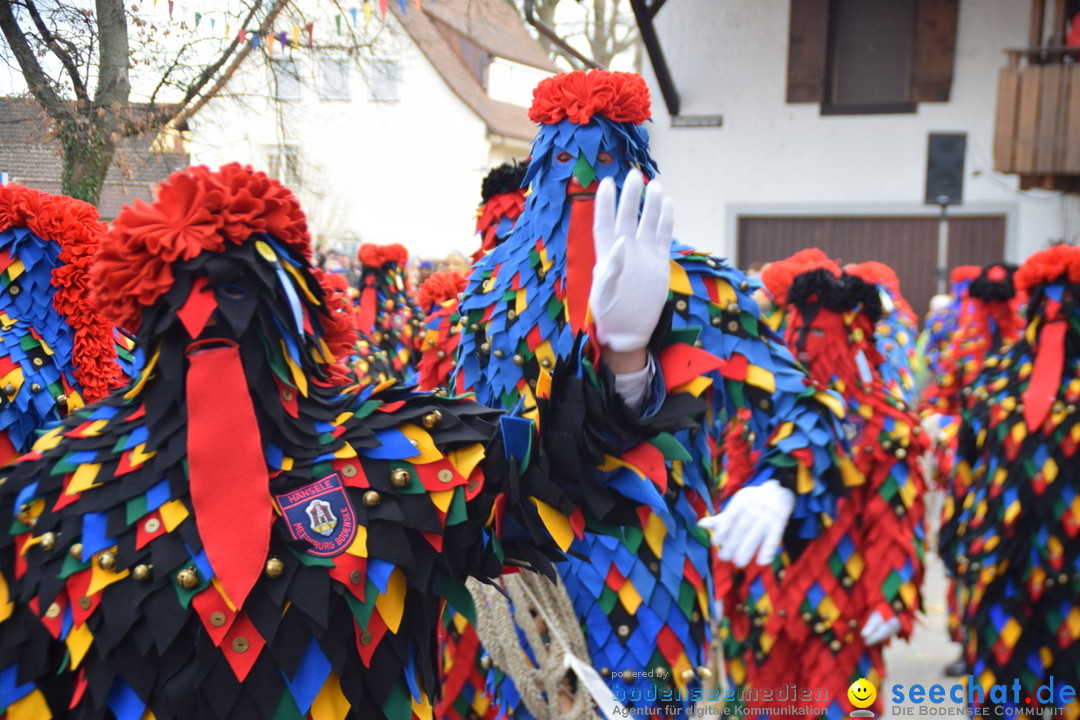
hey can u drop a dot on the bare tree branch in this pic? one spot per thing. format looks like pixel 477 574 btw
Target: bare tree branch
pixel 114 86
pixel 36 79
pixel 55 46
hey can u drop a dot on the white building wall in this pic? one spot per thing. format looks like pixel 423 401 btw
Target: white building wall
pixel 729 58
pixel 404 172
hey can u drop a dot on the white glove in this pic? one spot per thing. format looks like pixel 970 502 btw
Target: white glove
pixel 632 271
pixel 753 522
pixel 932 424
pixel 877 630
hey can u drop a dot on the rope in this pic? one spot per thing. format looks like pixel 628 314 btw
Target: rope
pixel 535 604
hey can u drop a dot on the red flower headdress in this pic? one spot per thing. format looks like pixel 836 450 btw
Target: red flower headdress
pixel 196 210
pixel 779 275
pixel 375 256
pixel 964 273
pixel 440 287
pixel 1054 264
pixel 75 226
pixel 579 95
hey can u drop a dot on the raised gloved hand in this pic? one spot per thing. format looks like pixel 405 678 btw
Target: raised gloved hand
pixel 932 424
pixel 631 275
pixel 877 629
pixel 753 522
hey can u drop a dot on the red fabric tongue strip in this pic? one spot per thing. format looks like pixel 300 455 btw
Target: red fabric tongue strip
pixel 227 473
pixel 368 306
pixel 1045 372
pixel 580 258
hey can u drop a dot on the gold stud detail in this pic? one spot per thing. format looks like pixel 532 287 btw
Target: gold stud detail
pixel 546 364
pixel 440 354
pixel 820 628
pixel 499 353
pixel 485 347
pixel 274 567
pixel 432 419
pixel 76 551
pixel 141 572
pixel 35 387
pixel 372 498
pixel 9 390
pixel 400 478
pixel 187 578
pixel 716 321
pixel 835 646
pixel 847 581
pixel 48 541
pixel 107 560
pixel 519 359
pixel 744 286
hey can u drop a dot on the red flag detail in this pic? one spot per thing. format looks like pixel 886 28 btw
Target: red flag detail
pixel 1046 373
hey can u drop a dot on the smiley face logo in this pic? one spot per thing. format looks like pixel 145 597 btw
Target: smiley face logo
pixel 861 693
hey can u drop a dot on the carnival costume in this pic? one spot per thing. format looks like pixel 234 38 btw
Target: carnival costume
pixel 241 533
pixel 387 316
pixel 57 351
pixel 818 614
pixel 643 602
pixel 897 333
pixel 502 201
pixel 1016 526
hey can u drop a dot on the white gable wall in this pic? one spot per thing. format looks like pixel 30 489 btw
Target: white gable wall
pixel 730 58
pixel 404 172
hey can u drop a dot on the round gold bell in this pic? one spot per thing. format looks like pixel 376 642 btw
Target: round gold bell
pixel 372 498
pixel 687 675
pixel 274 567
pixel 107 560
pixel 76 551
pixel 432 419
pixel 400 478
pixel 141 572
pixel 48 541
pixel 187 578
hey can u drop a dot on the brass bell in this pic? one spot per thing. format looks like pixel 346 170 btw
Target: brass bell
pixel 400 478
pixel 687 675
pixel 499 353
pixel 704 673
pixel 107 560
pixel 432 419
pixel 519 359
pixel 9 390
pixel 76 551
pixel 35 387
pixel 48 541
pixel 274 567
pixel 141 572
pixel 372 498
pixel 187 578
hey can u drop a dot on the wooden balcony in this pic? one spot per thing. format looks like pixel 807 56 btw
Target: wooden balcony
pixel 1037 131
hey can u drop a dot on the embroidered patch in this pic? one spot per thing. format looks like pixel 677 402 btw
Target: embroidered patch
pixel 320 514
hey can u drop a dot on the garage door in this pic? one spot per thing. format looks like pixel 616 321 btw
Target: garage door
pixel 907 244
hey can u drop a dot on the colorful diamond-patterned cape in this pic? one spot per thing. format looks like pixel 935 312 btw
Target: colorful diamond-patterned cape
pixel 51 339
pixel 799 619
pixel 1016 519
pixel 110 605
pixel 643 601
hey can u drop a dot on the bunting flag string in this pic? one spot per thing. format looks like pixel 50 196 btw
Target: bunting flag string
pixel 290 38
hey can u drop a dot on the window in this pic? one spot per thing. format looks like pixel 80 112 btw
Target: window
pixel 383 80
pixel 286 78
pixel 283 162
pixel 871 56
pixel 871 47
pixel 335 79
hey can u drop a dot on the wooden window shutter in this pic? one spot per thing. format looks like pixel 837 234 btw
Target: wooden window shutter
pixel 935 49
pixel 808 39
